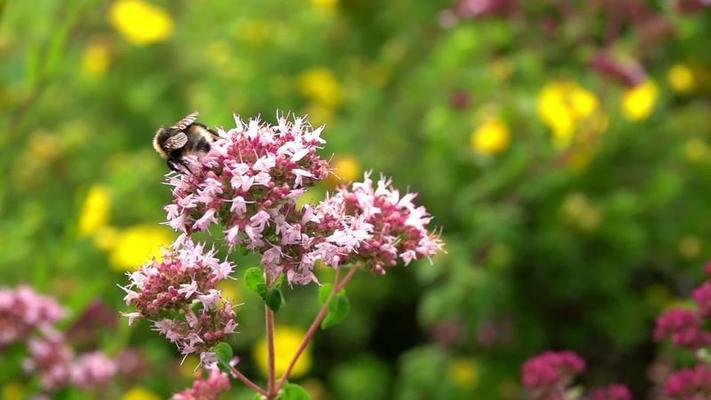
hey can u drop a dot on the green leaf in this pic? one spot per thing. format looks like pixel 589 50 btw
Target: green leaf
pixel 224 354
pixel 292 391
pixel 274 299
pixel 323 292
pixel 337 310
pixel 254 279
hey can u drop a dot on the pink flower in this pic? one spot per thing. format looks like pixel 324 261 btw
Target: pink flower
pixel 22 310
pixel 547 375
pixel 92 370
pixel 683 327
pixel 168 291
pixel 50 358
pixel 612 392
pixel 206 389
pixel 702 296
pixel 690 384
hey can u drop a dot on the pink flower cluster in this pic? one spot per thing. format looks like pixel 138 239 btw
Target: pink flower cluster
pixel 612 392
pixel 250 181
pixel 57 366
pixel 547 375
pixel 179 293
pixel 685 327
pixel 690 384
pixel 246 178
pixel 22 311
pixel 29 317
pixel 206 389
pixel 375 225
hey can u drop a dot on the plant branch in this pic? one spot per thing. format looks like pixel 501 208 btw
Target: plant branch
pixel 337 286
pixel 235 373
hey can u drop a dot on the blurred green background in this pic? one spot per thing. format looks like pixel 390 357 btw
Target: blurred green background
pixel 562 146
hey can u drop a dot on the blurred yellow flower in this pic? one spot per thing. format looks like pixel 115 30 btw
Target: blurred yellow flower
pixel 563 105
pixel 346 168
pixel 638 102
pixel 464 373
pixel 321 85
pixel 255 32
pixel 13 391
pixel 95 211
pixel 140 22
pixel 319 114
pixel 136 245
pixel 286 342
pixel 229 291
pixel 106 237
pixel 140 393
pixel 189 367
pixel 325 4
pixel 581 212
pixel 697 150
pixel 491 137
pixel 690 246
pixel 681 78
pixel 95 60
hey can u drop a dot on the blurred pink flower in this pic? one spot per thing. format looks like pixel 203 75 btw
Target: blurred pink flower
pixel 612 392
pixel 22 310
pixel 683 327
pixel 702 296
pixel 92 370
pixel 206 389
pixel 690 384
pixel 547 375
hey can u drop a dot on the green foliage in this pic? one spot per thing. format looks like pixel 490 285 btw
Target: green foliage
pixel 338 307
pixel 292 391
pixel 224 354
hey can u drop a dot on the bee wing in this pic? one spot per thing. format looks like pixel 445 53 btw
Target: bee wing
pixel 186 121
pixel 176 141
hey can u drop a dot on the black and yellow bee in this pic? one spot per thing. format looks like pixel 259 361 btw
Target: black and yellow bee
pixel 186 137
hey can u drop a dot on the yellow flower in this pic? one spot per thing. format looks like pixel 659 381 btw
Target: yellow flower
pixel 229 291
pixel 95 60
pixel 139 22
pixel 325 4
pixel 491 137
pixel 319 114
pixel 697 150
pixel 321 85
pixel 563 106
pixel 138 244
pixel 346 168
pixel 140 393
pixel 681 78
pixel 464 373
pixel 690 246
pixel 106 237
pixel 286 342
pixel 95 211
pixel 13 391
pixel 638 102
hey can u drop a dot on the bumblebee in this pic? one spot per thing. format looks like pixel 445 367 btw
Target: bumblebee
pixel 186 137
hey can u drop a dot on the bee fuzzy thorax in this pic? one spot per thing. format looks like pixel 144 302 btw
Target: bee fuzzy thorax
pixel 186 137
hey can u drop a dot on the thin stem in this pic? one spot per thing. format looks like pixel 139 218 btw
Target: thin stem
pixel 247 382
pixel 338 285
pixel 269 317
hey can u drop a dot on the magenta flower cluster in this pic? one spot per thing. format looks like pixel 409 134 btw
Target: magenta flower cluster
pixel 686 328
pixel 179 294
pixel 690 384
pixel 206 389
pixel 548 376
pixel 29 318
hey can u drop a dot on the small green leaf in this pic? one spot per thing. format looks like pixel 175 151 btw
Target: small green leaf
pixel 337 310
pixel 274 299
pixel 323 292
pixel 292 391
pixel 254 279
pixel 224 354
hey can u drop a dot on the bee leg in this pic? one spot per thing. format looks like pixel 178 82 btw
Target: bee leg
pixel 178 165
